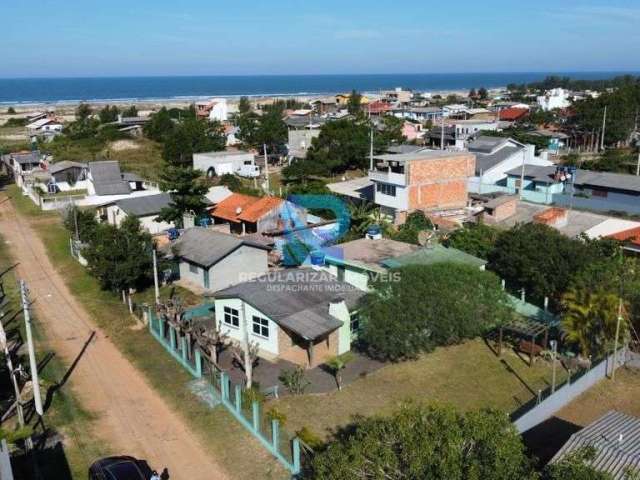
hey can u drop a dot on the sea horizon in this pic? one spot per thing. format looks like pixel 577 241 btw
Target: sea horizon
pixel 69 90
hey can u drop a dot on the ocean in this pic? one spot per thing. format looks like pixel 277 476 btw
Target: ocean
pixel 69 90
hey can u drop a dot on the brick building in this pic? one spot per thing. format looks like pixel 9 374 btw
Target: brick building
pixel 430 180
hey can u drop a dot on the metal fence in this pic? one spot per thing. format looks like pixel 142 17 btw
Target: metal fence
pixel 245 405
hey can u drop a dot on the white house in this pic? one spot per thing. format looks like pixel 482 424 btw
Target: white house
pixel 44 125
pixel 145 209
pixel 554 98
pixel 210 260
pixel 216 164
pixel 495 156
pixel 302 315
pixel 468 128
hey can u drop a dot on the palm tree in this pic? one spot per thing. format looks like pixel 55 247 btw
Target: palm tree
pixel 590 320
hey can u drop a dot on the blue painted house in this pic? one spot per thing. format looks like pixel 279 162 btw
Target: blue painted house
pixel 603 191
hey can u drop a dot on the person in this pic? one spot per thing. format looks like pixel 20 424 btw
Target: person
pixel 154 476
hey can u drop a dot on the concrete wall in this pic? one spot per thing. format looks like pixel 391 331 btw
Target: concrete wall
pixel 566 394
pixel 399 202
pixel 352 276
pixel 237 267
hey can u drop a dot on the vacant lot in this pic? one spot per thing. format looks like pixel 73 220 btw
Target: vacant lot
pixel 468 376
pixel 622 394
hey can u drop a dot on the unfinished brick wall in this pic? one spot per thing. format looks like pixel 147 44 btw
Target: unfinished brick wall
pixel 440 183
pixel 323 349
pixel 501 212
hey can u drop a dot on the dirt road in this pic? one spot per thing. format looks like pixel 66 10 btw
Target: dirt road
pixel 132 419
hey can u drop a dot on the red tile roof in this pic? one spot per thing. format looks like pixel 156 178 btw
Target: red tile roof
pixel 632 236
pixel 378 107
pixel 513 114
pixel 237 208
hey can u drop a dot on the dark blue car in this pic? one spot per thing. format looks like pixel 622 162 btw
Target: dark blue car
pixel 119 468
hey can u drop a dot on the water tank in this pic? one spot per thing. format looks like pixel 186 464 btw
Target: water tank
pixel 374 232
pixel 317 257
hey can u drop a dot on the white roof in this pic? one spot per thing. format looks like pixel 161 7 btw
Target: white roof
pixel 218 193
pixel 42 122
pixel 610 227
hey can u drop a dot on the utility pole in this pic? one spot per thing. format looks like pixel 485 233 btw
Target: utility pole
pixel 248 364
pixel 371 149
pixel 615 344
pixel 554 350
pixel 638 166
pixel 155 275
pixel 604 125
pixel 35 382
pixel 442 131
pixel 266 166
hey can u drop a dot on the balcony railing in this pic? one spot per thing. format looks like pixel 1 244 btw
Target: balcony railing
pixel 388 177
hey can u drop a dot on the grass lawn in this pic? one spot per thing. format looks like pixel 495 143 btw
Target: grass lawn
pixel 65 415
pixel 145 160
pixel 622 394
pixel 233 447
pixel 468 376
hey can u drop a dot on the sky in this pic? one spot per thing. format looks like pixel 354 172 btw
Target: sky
pixel 67 38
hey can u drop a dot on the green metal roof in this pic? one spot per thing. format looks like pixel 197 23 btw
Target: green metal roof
pixel 434 254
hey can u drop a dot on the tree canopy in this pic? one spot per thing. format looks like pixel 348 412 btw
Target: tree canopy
pixel 160 126
pixel 475 239
pixel 120 257
pixel 81 221
pixel 190 136
pixel 425 442
pixel 541 260
pixel 416 308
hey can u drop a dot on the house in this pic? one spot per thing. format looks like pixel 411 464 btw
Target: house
pixel 495 156
pixel 301 315
pixel 418 114
pixel 630 239
pixel 214 109
pixel 43 126
pixel 145 209
pixel 358 261
pixel 513 114
pixel 454 109
pixel 435 253
pixel 438 135
pixel 356 190
pixel 397 95
pixel 20 164
pixel 553 99
pixel 248 214
pixel 342 100
pixel 216 164
pixel 567 186
pixel 302 129
pixel 67 175
pixel 412 131
pixel 465 129
pixel 499 106
pixel 325 105
pixel 428 180
pixel 217 194
pixel 615 437
pixel 210 260
pixel 104 178
pixel 378 107
pixel 499 209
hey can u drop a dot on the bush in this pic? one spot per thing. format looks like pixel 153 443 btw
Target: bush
pixel 294 380
pixel 310 438
pixel 275 414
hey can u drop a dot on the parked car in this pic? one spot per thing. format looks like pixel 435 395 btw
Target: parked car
pixel 119 468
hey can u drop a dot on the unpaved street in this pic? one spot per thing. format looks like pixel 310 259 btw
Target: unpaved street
pixel 132 419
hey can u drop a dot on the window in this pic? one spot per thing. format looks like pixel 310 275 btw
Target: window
pixel 386 189
pixel 355 323
pixel 231 317
pixel 193 268
pixel 261 326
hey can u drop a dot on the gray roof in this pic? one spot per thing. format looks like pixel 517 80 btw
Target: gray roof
pixel 405 148
pixel 486 144
pixel 64 165
pixel 587 178
pixel 486 161
pixel 26 158
pixel 107 178
pixel 616 438
pixel 299 303
pixel 420 155
pixel 131 177
pixel 144 206
pixel 207 247
pixel 298 121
